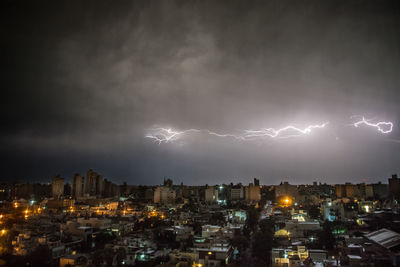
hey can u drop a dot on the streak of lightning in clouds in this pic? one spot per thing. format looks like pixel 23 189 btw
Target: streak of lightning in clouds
pixel 377 125
pixel 167 135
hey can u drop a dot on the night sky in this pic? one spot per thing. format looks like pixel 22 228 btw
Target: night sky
pixel 84 81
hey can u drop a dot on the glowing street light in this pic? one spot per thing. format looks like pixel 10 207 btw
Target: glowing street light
pixel 286 201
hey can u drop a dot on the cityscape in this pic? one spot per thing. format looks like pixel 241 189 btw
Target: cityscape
pixel 91 221
pixel 200 133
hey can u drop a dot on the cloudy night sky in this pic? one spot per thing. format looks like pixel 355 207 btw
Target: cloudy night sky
pixel 84 81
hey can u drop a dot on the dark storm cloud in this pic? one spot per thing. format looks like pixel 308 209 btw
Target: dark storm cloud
pixel 84 80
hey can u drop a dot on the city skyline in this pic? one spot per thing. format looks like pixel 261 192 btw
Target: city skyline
pixel 92 86
pixel 85 181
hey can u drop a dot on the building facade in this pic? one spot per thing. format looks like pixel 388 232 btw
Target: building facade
pixel 57 187
pixel 78 185
pixel 164 194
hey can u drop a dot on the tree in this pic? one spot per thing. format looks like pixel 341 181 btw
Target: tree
pixel 252 218
pixel 325 237
pixel 267 225
pixel 41 256
pixel 264 240
pixel 314 212
pixel 102 238
pixel 197 227
pixel 121 255
pixel 262 246
pixel 103 256
pixel 217 219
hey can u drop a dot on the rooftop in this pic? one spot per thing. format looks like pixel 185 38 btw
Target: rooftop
pixel 384 237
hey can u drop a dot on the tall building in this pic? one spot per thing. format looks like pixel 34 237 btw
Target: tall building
pixel 252 193
pixel 211 194
pixel 237 192
pixel 381 191
pixel 286 189
pixel 352 190
pixel 168 182
pixel 394 186
pixel 340 190
pixel 94 183
pixel 78 185
pixel 164 194
pixel 256 182
pixel 367 191
pixel 57 186
pixel 110 189
pixel 149 194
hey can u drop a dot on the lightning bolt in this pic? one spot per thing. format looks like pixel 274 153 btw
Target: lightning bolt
pixel 167 135
pixel 273 133
pixel 377 125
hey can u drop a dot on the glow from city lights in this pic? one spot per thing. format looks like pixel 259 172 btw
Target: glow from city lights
pixel 382 126
pixel 168 135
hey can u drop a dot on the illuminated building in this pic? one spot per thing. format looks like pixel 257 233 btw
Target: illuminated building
pixel 286 189
pixel 211 194
pixel 296 257
pixel 332 211
pixel 285 201
pixel 296 229
pixel 73 260
pixel 218 254
pixel 366 206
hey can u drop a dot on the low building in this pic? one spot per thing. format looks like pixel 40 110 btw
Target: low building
pixel 73 260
